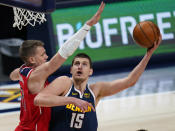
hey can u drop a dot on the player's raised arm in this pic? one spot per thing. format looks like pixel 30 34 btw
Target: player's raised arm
pixel 69 46
pixel 110 88
pixel 67 49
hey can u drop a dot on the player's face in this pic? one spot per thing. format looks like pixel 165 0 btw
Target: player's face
pixel 80 69
pixel 40 56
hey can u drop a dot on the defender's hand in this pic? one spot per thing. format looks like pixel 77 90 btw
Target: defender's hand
pixel 96 17
pixel 83 105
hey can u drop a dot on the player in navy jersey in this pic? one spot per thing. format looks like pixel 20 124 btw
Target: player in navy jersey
pixel 33 76
pixel 69 117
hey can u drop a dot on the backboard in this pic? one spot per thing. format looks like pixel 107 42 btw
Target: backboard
pixel 44 6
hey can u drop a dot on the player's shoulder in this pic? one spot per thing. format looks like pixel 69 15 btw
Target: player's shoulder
pixel 96 87
pixel 97 84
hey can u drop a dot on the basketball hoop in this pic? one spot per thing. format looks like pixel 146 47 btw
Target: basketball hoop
pixel 29 11
pixel 23 17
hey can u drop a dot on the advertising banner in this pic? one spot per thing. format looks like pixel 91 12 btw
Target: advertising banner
pixel 111 38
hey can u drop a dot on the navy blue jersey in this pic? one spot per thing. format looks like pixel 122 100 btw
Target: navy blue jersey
pixel 71 118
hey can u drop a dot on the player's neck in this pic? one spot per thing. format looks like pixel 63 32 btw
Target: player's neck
pixel 30 65
pixel 81 86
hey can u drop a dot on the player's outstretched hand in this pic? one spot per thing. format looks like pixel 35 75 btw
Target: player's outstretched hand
pixel 156 45
pixel 83 105
pixel 96 17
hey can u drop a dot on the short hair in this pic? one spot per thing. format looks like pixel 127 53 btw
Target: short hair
pixel 28 48
pixel 82 55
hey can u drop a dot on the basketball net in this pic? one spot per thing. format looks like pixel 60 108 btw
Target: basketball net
pixel 22 17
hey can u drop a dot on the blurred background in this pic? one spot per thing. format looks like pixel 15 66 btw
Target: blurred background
pixel 109 43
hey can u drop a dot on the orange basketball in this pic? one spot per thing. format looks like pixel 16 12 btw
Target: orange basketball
pixel 146 33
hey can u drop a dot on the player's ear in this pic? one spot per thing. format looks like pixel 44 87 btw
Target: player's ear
pixel 91 72
pixel 31 60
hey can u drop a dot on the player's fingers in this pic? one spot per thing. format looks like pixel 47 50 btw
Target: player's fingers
pixel 80 104
pixel 86 106
pixel 159 40
pixel 92 107
pixel 82 108
pixel 101 8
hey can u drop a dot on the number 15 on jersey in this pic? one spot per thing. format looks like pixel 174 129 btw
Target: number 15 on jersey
pixel 77 120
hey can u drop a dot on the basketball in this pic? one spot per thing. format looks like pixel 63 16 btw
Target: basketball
pixel 146 33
